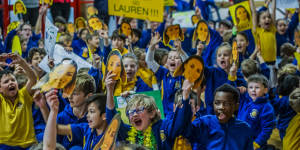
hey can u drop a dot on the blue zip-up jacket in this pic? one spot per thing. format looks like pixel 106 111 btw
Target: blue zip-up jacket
pixel 97 75
pixel 288 36
pixel 67 117
pixel 285 113
pixel 169 86
pixel 209 54
pixel 259 114
pixel 208 133
pixel 165 131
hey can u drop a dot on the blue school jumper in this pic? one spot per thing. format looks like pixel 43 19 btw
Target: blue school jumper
pixel 165 131
pixel 144 40
pixel 88 137
pixel 288 36
pixel 209 54
pixel 38 122
pixel 78 46
pixel 283 109
pixel 169 86
pixel 141 86
pixel 259 114
pixel 32 42
pixel 251 47
pixel 208 133
pixel 67 117
pixel 97 75
pixel 215 77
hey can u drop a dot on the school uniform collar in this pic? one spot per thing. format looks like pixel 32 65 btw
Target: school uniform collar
pixel 262 99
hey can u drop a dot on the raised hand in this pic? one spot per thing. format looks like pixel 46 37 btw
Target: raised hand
pixel 52 100
pixel 96 61
pixel 110 82
pixel 39 99
pixel 186 89
pixel 155 39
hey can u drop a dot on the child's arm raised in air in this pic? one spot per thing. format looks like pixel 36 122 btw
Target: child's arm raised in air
pixel 110 86
pixel 152 64
pixel 254 15
pixel 42 12
pixel 39 100
pixel 273 14
pixel 31 75
pixel 49 141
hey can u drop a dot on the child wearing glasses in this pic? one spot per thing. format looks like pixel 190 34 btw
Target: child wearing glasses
pixel 146 127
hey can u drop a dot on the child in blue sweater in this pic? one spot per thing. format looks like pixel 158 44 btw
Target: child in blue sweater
pixel 255 108
pixel 222 130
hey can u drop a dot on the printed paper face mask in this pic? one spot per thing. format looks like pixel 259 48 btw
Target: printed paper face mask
pixel 195 19
pixel 173 32
pixel 192 69
pixel 19 7
pixel 202 31
pixel 114 65
pixel 80 23
pixel 95 23
pixel 126 29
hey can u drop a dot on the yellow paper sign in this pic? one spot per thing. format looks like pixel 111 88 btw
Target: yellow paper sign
pixel 47 2
pixel 141 9
pixel 19 7
pixel 235 54
pixel 241 15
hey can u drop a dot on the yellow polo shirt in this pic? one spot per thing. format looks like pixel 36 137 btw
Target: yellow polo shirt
pixel 267 43
pixel 291 140
pixel 16 120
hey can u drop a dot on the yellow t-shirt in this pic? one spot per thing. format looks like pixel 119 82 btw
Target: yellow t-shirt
pixel 16 45
pixel 291 140
pixel 267 43
pixel 16 120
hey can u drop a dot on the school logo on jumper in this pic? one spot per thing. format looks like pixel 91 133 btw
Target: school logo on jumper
pixel 125 29
pixel 162 135
pixel 254 113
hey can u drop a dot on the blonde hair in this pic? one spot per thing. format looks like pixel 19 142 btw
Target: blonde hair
pixel 287 69
pixel 85 83
pixel 226 47
pixel 147 102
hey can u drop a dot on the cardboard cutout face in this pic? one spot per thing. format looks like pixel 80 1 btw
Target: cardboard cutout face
pixel 71 28
pixel 95 23
pixel 12 26
pixel 172 32
pixel 61 77
pixel 235 55
pixel 91 11
pixel 195 19
pixel 241 13
pixel 47 2
pixel 126 28
pixel 114 64
pixel 19 7
pixel 80 23
pixel 192 70
pixel 202 31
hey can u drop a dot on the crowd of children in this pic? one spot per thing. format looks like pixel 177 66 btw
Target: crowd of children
pixel 249 97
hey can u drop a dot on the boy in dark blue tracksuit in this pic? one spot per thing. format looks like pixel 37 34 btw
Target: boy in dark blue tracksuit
pixel 255 108
pixel 221 131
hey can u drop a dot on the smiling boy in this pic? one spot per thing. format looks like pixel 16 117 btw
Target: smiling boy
pixel 222 130
pixel 17 130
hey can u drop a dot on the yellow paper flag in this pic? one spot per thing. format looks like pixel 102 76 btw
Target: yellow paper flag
pixel 241 15
pixel 141 9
